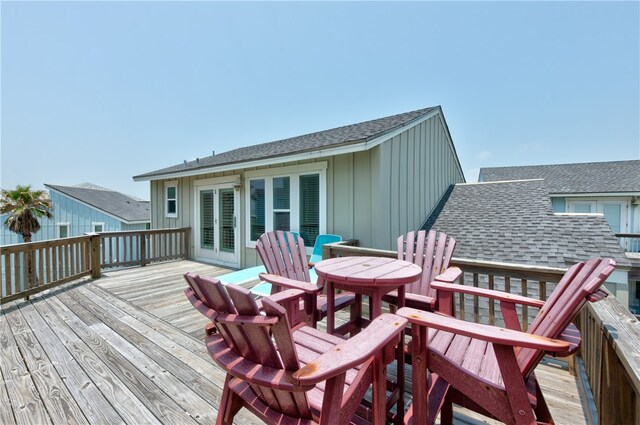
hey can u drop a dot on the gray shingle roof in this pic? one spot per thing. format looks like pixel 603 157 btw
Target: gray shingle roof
pixel 125 207
pixel 513 222
pixel 340 136
pixel 592 177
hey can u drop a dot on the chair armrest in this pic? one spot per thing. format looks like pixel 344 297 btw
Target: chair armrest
pixel 309 288
pixel 450 275
pixel 354 351
pixel 284 297
pixel 487 333
pixel 488 293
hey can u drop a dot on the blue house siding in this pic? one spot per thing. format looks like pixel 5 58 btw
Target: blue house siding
pixel 79 216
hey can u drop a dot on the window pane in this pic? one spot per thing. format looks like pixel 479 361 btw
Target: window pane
pixel 613 213
pixel 98 228
pixel 171 207
pixel 64 231
pixel 171 192
pixel 256 188
pixel 309 208
pixel 281 193
pixel 227 236
pixel 281 221
pixel 206 219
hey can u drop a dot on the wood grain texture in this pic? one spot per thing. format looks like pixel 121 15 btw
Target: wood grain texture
pixel 166 329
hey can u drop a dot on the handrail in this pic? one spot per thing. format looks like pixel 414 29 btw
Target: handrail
pixel 28 268
pixel 611 354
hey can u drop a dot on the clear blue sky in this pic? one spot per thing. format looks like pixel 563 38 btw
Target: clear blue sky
pixel 100 92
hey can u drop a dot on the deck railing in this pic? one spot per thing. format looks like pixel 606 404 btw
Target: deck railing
pixel 29 268
pixel 629 241
pixel 610 333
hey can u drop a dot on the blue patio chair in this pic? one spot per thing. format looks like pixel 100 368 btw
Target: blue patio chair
pixel 316 255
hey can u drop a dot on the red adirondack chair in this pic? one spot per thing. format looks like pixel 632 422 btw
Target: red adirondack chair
pixel 432 251
pixel 285 258
pixel 490 369
pixel 286 375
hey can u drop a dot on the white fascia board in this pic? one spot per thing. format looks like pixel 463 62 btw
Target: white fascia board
pixel 320 153
pixel 355 147
pixel 115 217
pixel 594 195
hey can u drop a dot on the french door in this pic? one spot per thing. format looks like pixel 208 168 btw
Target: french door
pixel 216 235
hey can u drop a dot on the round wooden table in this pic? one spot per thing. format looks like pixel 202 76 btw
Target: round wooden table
pixel 371 276
pixel 374 277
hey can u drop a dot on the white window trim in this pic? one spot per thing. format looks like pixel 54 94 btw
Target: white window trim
pixel 58 225
pixel 294 172
pixel 167 185
pixel 97 223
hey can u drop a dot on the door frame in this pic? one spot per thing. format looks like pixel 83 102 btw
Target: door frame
pixel 227 182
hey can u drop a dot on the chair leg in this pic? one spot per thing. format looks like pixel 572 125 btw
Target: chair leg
pixel 229 404
pixel 446 413
pixel 542 410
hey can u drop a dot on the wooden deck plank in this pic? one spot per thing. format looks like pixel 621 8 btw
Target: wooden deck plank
pixel 94 405
pixel 159 403
pixel 129 407
pixel 186 387
pixel 60 405
pixel 26 402
pixel 6 413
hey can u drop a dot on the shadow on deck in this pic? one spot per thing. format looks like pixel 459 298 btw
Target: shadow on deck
pixel 127 348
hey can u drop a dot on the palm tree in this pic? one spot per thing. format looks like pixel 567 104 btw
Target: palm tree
pixel 24 207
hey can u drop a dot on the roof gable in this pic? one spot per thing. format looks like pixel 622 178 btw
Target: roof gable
pixel 119 205
pixel 592 177
pixel 514 222
pixel 333 138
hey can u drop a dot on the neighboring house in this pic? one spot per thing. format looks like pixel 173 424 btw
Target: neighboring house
pixel 87 208
pixel 513 222
pixel 370 181
pixel 610 188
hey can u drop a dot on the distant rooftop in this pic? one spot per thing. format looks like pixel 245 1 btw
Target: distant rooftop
pixel 591 177
pixel 125 207
pixel 514 222
pixel 340 136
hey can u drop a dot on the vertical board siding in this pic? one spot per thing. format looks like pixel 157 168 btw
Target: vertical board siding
pixel 416 168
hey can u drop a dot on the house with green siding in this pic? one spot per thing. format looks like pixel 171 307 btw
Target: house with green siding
pixel 370 181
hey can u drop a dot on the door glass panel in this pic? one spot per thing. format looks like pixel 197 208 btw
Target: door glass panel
pixel 227 237
pixel 257 209
pixel 612 213
pixel 206 219
pixel 281 221
pixel 309 207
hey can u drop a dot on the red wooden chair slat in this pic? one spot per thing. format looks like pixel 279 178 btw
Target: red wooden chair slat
pixel 430 250
pixel 285 375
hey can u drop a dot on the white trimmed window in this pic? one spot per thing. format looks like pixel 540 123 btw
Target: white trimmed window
pixel 97 227
pixel 294 199
pixel 62 230
pixel 171 199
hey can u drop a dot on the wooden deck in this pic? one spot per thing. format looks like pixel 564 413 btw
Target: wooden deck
pixel 127 348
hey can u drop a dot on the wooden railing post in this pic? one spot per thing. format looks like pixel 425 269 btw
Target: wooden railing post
pixel 95 255
pixel 143 249
pixel 186 243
